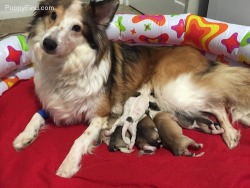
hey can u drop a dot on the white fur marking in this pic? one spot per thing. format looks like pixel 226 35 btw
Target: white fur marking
pixel 65 38
pixel 66 96
pixel 181 93
pixel 71 163
pixel 30 132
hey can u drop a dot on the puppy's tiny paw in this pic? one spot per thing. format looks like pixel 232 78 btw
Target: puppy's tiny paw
pixel 187 153
pixel 126 150
pixel 148 150
pixel 147 147
pixel 216 129
pixel 107 133
pixel 67 169
pixel 23 140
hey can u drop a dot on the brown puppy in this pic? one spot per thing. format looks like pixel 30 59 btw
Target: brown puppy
pixel 147 137
pixel 172 137
pixel 199 122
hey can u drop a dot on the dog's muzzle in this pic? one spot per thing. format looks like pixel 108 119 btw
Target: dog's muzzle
pixel 49 45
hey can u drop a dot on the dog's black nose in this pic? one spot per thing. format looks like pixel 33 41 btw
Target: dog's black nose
pixel 49 44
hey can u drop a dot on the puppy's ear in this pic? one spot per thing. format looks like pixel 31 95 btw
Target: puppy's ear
pixel 104 11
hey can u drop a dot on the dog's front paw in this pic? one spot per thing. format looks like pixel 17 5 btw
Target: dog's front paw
pixel 23 140
pixel 231 138
pixel 68 168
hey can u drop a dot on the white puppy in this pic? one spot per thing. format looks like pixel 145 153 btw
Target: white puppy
pixel 134 110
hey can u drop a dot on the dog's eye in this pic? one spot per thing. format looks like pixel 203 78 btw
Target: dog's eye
pixel 53 15
pixel 76 28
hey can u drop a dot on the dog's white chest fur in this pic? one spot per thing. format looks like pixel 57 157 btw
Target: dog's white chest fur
pixel 69 88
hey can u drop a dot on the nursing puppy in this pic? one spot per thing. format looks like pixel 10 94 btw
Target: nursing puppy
pixel 133 111
pixel 115 141
pixel 147 137
pixel 170 132
pixel 201 123
pixel 172 137
pixel 81 75
pixel 137 127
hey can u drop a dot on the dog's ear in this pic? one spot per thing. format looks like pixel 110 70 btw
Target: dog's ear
pixel 104 11
pixel 40 11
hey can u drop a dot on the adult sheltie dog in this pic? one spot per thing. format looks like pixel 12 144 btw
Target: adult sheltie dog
pixel 81 75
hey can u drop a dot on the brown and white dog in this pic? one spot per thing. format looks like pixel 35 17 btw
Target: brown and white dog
pixel 81 75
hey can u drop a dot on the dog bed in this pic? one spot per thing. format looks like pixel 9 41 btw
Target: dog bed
pixel 36 165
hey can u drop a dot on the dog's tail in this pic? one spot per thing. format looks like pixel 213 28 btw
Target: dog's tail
pixel 232 85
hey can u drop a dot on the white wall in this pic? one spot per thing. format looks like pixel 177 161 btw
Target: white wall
pixel 232 11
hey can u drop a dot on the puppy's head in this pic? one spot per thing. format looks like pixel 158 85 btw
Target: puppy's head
pixel 60 26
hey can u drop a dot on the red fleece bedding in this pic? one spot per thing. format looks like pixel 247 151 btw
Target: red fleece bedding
pixel 36 165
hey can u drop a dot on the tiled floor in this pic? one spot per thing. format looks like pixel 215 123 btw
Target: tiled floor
pixel 19 25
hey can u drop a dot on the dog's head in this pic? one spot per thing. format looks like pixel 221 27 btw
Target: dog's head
pixel 60 26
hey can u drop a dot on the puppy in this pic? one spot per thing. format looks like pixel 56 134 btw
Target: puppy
pixel 115 141
pixel 172 137
pixel 147 137
pixel 200 122
pixel 80 76
pixel 170 132
pixel 133 111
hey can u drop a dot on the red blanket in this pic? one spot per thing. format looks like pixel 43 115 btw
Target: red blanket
pixel 36 165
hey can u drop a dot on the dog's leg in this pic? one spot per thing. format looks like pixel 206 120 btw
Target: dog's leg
pixel 81 146
pixel 245 120
pixel 241 115
pixel 230 136
pixel 30 132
